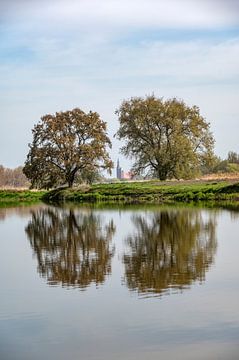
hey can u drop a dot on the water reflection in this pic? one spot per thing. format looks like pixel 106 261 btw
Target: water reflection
pixel 73 248
pixel 19 211
pixel 169 249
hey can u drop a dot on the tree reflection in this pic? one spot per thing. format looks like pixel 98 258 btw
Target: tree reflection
pixel 170 249
pixel 72 247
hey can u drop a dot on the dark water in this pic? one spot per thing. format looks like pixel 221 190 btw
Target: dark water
pixel 135 283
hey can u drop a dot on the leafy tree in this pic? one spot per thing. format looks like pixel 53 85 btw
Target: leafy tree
pixel 89 177
pixel 233 157
pixel 1 175
pixel 223 166
pixel 212 166
pixel 166 138
pixel 13 177
pixel 65 145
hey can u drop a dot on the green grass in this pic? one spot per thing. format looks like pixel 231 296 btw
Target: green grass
pixel 150 192
pixel 128 193
pixel 20 196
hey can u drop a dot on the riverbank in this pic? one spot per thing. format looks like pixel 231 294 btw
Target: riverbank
pixel 19 196
pixel 130 192
pixel 148 191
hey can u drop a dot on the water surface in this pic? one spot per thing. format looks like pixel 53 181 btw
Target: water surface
pixel 118 283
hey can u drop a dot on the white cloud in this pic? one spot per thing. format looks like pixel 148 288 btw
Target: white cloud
pixel 110 14
pixel 60 54
pixel 99 77
pixel 182 61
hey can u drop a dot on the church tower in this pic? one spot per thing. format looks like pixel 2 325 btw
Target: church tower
pixel 118 170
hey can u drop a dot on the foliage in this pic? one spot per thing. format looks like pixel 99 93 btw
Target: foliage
pixel 233 167
pixel 89 176
pixel 66 145
pixel 224 166
pixel 12 177
pixel 168 139
pixel 218 165
pixel 210 167
pixel 233 157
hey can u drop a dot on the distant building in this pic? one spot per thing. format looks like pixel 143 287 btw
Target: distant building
pixel 120 174
pixel 127 175
pixel 119 171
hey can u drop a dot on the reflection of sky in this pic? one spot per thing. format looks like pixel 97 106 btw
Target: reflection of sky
pixel 61 54
pixel 38 321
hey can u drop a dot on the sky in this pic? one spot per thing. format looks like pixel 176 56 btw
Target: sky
pixel 56 55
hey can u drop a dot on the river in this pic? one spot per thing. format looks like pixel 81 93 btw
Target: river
pixel 126 283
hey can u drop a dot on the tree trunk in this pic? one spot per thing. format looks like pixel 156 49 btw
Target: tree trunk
pixel 70 183
pixel 162 175
pixel 71 177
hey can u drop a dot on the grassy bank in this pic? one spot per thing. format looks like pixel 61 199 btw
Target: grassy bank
pixel 133 192
pixel 150 192
pixel 15 196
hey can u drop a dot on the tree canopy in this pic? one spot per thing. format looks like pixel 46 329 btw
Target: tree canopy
pixel 166 138
pixel 65 146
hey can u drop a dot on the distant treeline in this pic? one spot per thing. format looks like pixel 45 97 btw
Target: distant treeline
pixel 12 177
pixel 230 165
pixel 16 178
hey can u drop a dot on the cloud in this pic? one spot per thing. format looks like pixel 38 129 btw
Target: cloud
pixel 132 14
pixel 200 61
pixel 55 55
pixel 68 73
pixel 231 6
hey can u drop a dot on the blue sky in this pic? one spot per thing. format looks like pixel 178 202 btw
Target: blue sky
pixel 57 55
